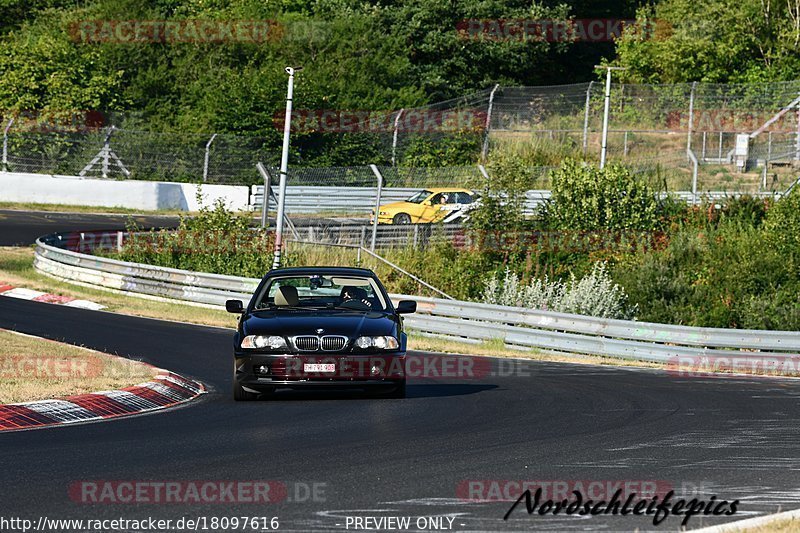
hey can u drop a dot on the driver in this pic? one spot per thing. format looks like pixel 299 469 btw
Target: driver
pixel 357 294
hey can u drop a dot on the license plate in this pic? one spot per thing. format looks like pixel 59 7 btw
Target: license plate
pixel 319 367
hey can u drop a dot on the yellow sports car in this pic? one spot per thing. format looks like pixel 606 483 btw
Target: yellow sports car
pixel 429 205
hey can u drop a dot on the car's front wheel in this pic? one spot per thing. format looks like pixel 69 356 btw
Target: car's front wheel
pixel 398 391
pixel 241 395
pixel 402 219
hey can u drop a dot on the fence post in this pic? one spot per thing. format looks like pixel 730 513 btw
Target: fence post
pixel 205 159
pixel 483 171
pixel 720 146
pixel 107 152
pixel 797 140
pixel 691 118
pixel 606 113
pixel 394 136
pixel 377 206
pixel 625 145
pixel 694 161
pixel 485 149
pixel 769 148
pixel 5 144
pixel 703 153
pixel 265 203
pixel 586 118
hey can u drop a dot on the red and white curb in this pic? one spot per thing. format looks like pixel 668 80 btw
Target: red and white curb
pixel 167 389
pixel 36 296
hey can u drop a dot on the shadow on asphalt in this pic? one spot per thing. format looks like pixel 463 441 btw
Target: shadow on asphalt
pixel 431 390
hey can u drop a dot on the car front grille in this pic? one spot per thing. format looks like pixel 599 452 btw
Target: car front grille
pixel 306 343
pixel 328 343
pixel 333 343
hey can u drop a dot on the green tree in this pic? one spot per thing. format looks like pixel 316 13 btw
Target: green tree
pixel 712 41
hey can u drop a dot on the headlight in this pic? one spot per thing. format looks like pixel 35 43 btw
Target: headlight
pixel 381 343
pixel 273 342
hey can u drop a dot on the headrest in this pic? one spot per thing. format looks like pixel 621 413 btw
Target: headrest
pixel 287 296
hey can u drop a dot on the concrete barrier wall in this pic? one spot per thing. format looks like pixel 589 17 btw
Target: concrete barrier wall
pixel 144 195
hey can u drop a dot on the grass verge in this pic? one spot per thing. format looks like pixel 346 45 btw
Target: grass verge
pixel 787 525
pixel 33 368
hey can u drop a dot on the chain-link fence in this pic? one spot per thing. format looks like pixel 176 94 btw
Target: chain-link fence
pixel 651 127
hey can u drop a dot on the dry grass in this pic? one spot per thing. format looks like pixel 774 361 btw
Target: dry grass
pixel 32 368
pixel 16 268
pixel 791 525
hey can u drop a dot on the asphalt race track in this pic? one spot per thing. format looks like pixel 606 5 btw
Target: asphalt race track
pixel 737 438
pixel 22 228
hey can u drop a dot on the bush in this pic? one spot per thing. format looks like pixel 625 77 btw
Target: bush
pixel 585 197
pixel 216 240
pixel 594 295
pixel 503 196
pixel 782 225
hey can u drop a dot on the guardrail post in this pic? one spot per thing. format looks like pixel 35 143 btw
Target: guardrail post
pixel 586 118
pixel 377 206
pixel 485 149
pixel 205 158
pixel 5 144
pixel 119 241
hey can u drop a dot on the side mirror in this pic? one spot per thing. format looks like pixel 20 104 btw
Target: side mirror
pixel 234 306
pixel 406 307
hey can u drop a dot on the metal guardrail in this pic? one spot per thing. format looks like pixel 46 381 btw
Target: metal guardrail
pixel 465 321
pixel 361 200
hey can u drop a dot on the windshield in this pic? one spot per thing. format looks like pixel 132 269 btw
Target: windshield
pixel 419 197
pixel 327 292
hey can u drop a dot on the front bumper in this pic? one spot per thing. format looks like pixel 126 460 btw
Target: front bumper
pixel 382 219
pixel 267 371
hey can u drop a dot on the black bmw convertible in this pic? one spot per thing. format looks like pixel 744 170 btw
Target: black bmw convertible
pixel 319 327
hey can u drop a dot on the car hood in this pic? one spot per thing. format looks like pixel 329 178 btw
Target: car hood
pixel 348 323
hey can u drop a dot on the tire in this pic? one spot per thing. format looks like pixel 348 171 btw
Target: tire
pixel 398 392
pixel 402 219
pixel 241 395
